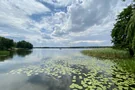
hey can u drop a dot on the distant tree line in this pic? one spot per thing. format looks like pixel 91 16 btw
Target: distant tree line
pixel 6 44
pixel 24 44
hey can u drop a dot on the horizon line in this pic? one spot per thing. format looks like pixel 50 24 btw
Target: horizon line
pixel 74 47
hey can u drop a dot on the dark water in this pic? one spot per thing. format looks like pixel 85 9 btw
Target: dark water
pixel 65 69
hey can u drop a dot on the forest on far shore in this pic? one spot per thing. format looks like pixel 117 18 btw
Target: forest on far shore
pixel 9 44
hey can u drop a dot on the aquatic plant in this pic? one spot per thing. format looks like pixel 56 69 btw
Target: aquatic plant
pixel 107 53
pixel 121 57
pixel 127 64
pixel 85 73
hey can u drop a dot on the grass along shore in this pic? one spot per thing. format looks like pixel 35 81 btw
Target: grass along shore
pixel 107 53
pixel 120 57
pixel 4 53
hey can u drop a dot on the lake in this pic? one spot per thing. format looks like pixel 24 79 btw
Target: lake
pixel 61 69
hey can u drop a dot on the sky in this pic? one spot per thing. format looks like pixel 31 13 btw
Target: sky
pixel 60 22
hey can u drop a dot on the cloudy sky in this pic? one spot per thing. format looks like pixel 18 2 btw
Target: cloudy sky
pixel 60 22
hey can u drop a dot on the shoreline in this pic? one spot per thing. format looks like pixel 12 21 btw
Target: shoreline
pixel 120 57
pixel 7 52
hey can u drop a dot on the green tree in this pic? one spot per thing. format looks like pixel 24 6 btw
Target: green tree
pixel 6 43
pixel 123 33
pixel 131 34
pixel 24 44
pixel 119 32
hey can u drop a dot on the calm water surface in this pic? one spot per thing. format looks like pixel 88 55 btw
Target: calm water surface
pixel 65 69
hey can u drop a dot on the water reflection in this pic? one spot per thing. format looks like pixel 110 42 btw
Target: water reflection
pixel 51 83
pixel 62 70
pixel 2 58
pixel 21 53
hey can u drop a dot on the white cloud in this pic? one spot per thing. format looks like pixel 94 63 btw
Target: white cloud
pixel 58 3
pixel 83 16
pixel 15 13
pixel 88 41
pixel 85 22
pixel 21 7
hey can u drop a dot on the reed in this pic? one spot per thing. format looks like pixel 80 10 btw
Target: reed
pixel 107 53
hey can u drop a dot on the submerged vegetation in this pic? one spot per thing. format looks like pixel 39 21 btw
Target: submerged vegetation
pixel 85 73
pixel 121 57
pixel 115 71
pixel 127 64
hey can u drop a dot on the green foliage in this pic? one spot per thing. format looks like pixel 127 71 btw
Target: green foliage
pixel 131 32
pixel 83 73
pixel 123 33
pixel 120 57
pixel 6 43
pixel 119 32
pixel 24 44
pixel 133 44
pixel 107 53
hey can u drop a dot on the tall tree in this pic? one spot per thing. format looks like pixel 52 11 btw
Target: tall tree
pixel 130 29
pixel 24 44
pixel 6 43
pixel 119 32
pixel 123 33
pixel 131 34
